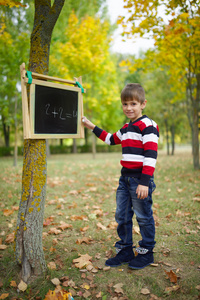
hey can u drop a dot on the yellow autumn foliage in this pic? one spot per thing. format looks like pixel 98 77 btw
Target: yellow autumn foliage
pixel 86 53
pixel 11 3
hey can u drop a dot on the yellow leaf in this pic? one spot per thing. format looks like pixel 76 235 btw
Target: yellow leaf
pixel 22 286
pixel 13 283
pixel 4 296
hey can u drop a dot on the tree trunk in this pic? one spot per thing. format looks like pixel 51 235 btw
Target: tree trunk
pixel 6 133
pixel 196 111
pixel 74 148
pixel 193 102
pixel 29 250
pixel 195 139
pixel 172 139
pixel 15 148
pixel 94 146
pixel 167 136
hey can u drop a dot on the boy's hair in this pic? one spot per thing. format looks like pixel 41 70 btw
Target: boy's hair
pixel 133 91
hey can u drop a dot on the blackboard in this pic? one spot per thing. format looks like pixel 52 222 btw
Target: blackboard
pixel 55 110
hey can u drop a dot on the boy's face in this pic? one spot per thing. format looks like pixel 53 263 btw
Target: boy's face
pixel 133 109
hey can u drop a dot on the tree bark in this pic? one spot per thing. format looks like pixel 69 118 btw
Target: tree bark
pixel 167 136
pixel 29 250
pixel 6 133
pixel 194 109
pixel 172 138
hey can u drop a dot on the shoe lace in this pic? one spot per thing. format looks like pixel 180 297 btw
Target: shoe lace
pixel 141 250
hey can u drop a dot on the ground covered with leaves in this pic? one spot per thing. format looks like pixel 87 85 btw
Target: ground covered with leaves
pixel 80 231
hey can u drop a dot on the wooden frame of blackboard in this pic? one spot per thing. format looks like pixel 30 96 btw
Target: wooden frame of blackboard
pixel 68 123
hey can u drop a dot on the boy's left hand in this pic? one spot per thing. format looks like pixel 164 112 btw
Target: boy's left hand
pixel 142 191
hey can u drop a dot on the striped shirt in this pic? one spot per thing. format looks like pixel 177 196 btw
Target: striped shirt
pixel 139 141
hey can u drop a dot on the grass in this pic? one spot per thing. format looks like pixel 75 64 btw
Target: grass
pixel 81 192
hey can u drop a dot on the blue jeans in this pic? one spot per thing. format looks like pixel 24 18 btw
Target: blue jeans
pixel 127 205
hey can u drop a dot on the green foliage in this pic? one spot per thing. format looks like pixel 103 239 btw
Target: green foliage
pixel 14 49
pixel 177 47
pixel 86 53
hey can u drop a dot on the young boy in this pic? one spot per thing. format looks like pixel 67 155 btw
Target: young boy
pixel 139 141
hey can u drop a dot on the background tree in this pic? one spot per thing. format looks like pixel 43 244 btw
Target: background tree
pixel 86 53
pixel 14 48
pixel 177 40
pixel 163 105
pixel 29 251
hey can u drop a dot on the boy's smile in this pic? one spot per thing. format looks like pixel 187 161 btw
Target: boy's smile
pixel 133 109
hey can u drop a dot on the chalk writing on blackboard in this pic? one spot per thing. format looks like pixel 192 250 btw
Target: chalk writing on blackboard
pixel 56 110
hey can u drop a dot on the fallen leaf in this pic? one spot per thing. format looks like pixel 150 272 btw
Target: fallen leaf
pixel 99 295
pixel 118 288
pixel 172 276
pixel 75 218
pixel 112 225
pixel 198 287
pixel 22 286
pixel 94 270
pixel 52 265
pixel 3 247
pixel 93 189
pixel 55 241
pixel 86 294
pixel 100 226
pixel 8 212
pixel 64 226
pixel 58 294
pixel 89 267
pixel 55 281
pixel 172 288
pixel 71 283
pixel 98 212
pixel 4 296
pixel 13 283
pixel 145 291
pixel 98 255
pixel 82 261
pixel 51 295
pixel 65 283
pixel 106 268
pixel 48 221
pixel 85 240
pixel 154 265
pixel 15 208
pixel 85 286
pixel 10 238
pixel 73 192
pixel 84 228
pixel 54 230
pixel 136 229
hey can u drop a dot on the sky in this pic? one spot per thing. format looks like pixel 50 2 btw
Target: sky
pixel 115 8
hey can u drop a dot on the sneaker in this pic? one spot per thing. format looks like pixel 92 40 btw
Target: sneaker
pixel 124 256
pixel 142 260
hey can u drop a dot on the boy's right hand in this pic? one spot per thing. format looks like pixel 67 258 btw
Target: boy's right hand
pixel 87 123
